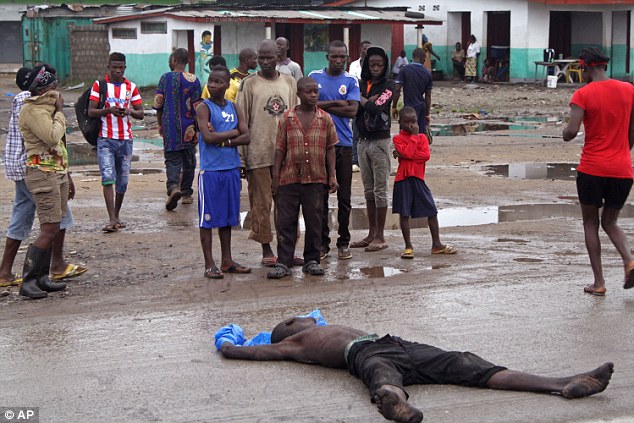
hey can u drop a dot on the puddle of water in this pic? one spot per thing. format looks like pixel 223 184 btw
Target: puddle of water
pixel 559 171
pixel 379 271
pixel 463 129
pixel 467 216
pixel 462 216
pixel 538 119
pixel 157 142
pixel 133 171
pixel 81 154
pixel 449 217
pixel 518 241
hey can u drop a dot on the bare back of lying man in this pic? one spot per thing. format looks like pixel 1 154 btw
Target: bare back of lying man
pixel 389 363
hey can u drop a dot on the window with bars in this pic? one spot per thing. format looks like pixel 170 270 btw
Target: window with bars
pixel 124 33
pixel 153 27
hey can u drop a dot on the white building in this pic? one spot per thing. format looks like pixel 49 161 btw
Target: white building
pixel 524 28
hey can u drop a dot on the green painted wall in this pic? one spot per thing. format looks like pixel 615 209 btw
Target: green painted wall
pixel 616 67
pixel 314 60
pixel 51 37
pixel 146 69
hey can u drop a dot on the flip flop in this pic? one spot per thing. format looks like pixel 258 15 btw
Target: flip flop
pixel 375 247
pixel 71 271
pixel 110 228
pixel 408 253
pixel 214 273
pixel 236 268
pixel 121 225
pixel 629 276
pixel 590 289
pixel 15 280
pixel 447 249
pixel 359 244
pixel 269 261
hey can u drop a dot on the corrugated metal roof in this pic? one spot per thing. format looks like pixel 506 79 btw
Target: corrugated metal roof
pixel 305 15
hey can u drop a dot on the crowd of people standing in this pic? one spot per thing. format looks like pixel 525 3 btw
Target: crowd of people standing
pixel 295 139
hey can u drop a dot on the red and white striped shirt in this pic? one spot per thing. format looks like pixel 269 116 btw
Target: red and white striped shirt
pixel 122 95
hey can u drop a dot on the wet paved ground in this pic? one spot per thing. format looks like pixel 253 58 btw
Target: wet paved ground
pixel 156 362
pixel 131 340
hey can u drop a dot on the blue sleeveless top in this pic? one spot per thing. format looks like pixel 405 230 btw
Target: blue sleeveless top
pixel 215 157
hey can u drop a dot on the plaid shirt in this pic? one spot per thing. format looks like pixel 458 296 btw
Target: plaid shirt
pixel 305 151
pixel 14 152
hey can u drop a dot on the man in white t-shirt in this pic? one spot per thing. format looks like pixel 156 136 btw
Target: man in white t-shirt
pixel 114 145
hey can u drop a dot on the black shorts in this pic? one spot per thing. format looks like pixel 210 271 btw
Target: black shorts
pixel 412 198
pixel 393 361
pixel 599 190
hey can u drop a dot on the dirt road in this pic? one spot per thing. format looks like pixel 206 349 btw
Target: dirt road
pixel 131 339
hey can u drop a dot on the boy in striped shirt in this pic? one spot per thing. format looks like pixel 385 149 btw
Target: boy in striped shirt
pixel 114 145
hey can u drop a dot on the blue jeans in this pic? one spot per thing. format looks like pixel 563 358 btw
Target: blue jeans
pixel 23 214
pixel 177 161
pixel 115 160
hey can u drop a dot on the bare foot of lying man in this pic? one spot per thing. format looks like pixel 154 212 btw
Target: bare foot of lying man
pixel 392 404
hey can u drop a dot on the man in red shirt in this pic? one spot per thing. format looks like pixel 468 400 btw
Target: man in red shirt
pixel 114 145
pixel 604 175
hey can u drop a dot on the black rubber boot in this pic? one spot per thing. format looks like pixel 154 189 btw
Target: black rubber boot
pixel 43 282
pixel 30 274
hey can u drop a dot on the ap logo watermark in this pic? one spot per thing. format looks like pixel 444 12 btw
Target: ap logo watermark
pixel 19 414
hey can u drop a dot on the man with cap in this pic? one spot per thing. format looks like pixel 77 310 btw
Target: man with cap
pixel 23 213
pixel 43 126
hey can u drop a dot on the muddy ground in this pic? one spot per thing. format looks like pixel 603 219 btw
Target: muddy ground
pixel 520 247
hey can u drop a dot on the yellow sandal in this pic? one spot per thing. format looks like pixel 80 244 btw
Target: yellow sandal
pixel 408 253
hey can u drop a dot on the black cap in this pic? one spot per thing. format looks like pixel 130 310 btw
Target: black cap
pixel 24 78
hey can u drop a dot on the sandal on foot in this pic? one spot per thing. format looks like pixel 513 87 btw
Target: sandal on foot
pixel 14 280
pixel 408 253
pixel 236 268
pixel 313 268
pixel 279 271
pixel 375 247
pixel 214 273
pixel 298 261
pixel 447 249
pixel 121 225
pixel 110 228
pixel 359 244
pixel 269 261
pixel 590 289
pixel 71 271
pixel 629 276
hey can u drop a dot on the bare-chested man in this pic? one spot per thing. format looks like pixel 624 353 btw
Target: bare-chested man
pixel 386 364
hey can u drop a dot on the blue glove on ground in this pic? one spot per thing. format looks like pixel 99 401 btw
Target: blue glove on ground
pixel 316 314
pixel 230 333
pixel 262 338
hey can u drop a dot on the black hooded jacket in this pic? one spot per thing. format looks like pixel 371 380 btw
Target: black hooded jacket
pixel 373 120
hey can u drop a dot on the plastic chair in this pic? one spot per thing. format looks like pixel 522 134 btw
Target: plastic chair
pixel 574 68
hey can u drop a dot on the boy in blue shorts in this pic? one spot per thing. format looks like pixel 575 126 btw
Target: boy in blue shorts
pixel 412 198
pixel 222 128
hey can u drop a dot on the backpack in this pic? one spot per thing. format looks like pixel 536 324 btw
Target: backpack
pixel 90 127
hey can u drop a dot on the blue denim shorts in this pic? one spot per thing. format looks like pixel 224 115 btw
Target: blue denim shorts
pixel 23 214
pixel 115 160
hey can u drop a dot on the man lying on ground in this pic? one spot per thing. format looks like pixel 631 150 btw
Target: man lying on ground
pixel 389 363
